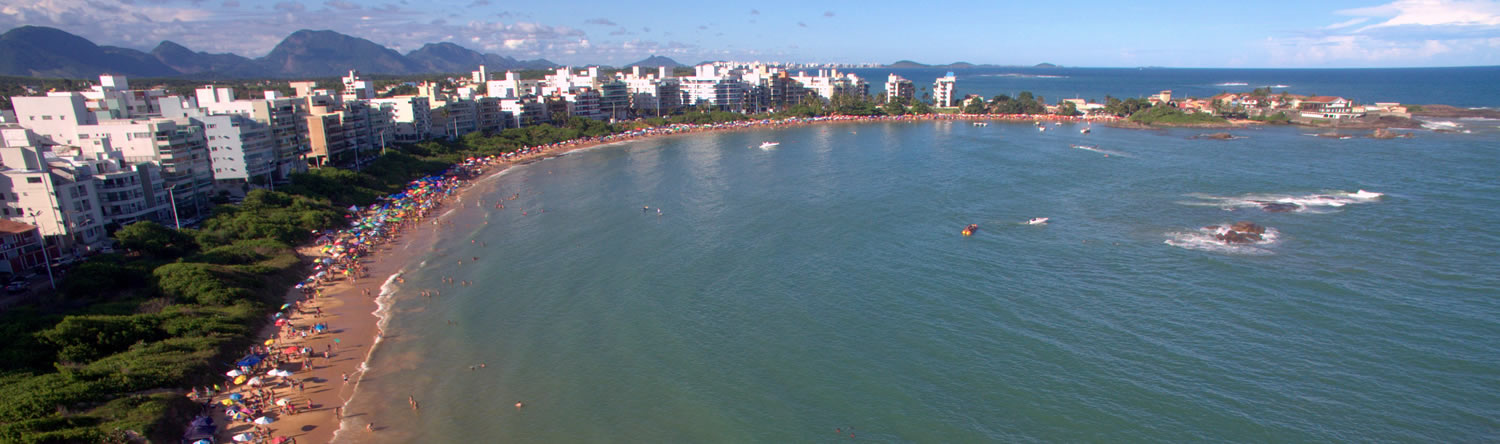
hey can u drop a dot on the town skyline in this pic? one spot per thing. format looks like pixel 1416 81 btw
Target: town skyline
pixel 1346 33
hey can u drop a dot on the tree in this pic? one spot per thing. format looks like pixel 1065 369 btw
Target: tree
pixel 1068 109
pixel 152 239
pixel 975 107
pixel 921 108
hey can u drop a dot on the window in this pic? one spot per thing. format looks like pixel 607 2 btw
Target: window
pixel 46 117
pixel 33 180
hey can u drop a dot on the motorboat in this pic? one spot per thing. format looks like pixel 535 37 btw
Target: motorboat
pixel 1085 131
pixel 969 230
pixel 1037 221
pixel 769 145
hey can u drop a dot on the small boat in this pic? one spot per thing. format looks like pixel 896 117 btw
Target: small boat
pixel 769 145
pixel 1085 131
pixel 969 230
pixel 981 124
pixel 1041 128
pixel 1037 221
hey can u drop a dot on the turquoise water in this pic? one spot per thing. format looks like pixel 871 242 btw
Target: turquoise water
pixel 783 294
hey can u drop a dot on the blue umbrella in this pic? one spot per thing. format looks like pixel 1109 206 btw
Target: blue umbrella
pixel 236 396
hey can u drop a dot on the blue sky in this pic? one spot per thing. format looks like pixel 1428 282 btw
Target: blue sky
pixel 1329 33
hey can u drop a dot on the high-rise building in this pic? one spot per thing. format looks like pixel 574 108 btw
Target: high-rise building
pixel 898 88
pixel 942 90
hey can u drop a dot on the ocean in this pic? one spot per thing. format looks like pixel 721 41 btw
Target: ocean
pixel 820 291
pixel 1467 87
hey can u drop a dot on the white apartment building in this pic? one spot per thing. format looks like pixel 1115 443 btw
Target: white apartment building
pixel 238 146
pixel 55 117
pixel 356 88
pixel 411 118
pixel 282 115
pixel 60 202
pixel 177 145
pixel 897 88
pixel 829 83
pixel 942 91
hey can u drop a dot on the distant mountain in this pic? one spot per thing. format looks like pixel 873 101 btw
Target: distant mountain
pixel 186 61
pixel 1046 65
pixel 656 61
pixel 309 53
pixel 907 64
pixel 37 51
pixel 47 52
pixel 446 57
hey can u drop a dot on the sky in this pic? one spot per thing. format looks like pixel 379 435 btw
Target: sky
pixel 1172 33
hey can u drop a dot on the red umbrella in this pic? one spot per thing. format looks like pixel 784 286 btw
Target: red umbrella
pixel 291 350
pixel 280 322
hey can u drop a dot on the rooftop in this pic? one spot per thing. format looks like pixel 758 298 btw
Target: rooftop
pixel 13 227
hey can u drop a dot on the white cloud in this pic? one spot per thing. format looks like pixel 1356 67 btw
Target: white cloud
pixel 1347 23
pixel 1399 33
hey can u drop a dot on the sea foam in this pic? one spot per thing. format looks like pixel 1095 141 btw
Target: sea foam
pixel 1292 203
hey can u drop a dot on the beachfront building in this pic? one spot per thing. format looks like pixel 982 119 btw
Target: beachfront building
pixel 177 146
pixel 614 99
pixel 20 247
pixel 58 201
pixel 55 117
pixel 113 96
pixel 283 116
pixel 1327 107
pixel 584 103
pixel 411 118
pixel 829 83
pixel 942 91
pixel 239 147
pixel 898 89
pixel 523 112
pixel 357 88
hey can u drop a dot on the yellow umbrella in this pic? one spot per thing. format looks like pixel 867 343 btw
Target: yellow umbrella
pixel 239 379
pixel 270 341
pixel 226 402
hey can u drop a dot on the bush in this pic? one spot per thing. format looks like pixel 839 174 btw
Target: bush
pixel 201 283
pixel 152 239
pixel 1171 116
pixel 86 338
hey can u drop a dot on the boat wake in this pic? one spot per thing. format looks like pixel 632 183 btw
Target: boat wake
pixel 1222 239
pixel 1096 149
pixel 1023 76
pixel 1286 203
pixel 1232 84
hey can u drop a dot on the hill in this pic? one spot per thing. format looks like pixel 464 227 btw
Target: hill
pixel 186 61
pixel 36 51
pixel 656 61
pixel 47 52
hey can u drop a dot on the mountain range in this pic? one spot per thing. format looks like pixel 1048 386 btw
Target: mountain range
pixel 38 51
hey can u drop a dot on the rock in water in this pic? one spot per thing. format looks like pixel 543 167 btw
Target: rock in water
pixel 1245 226
pixel 1279 207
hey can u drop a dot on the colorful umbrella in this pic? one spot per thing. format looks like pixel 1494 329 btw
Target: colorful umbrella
pixel 270 341
pixel 264 420
pixel 227 402
pixel 244 437
pixel 233 373
pixel 239 379
pixel 236 397
pixel 282 401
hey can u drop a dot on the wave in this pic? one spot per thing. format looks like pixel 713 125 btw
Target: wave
pixel 1287 203
pixel 1441 124
pixel 1232 84
pixel 1276 86
pixel 383 304
pixel 1105 152
pixel 1208 239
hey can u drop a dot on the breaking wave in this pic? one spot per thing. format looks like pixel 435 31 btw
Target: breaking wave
pixel 1232 84
pixel 1208 239
pixel 1286 203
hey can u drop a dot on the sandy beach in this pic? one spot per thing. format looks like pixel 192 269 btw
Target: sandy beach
pixel 349 308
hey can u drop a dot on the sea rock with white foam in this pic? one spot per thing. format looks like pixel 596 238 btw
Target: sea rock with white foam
pixel 1242 232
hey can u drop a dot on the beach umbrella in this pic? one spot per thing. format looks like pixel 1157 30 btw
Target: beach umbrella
pixel 282 401
pixel 273 372
pixel 264 420
pixel 280 440
pixel 279 322
pixel 286 373
pixel 335 340
pixel 227 402
pixel 292 350
pixel 244 437
pixel 270 341
pixel 285 306
pixel 236 397
pixel 202 441
pixel 239 379
pixel 278 316
pixel 233 373
pixel 254 381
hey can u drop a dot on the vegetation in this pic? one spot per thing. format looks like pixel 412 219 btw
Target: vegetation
pixel 1172 116
pixel 1280 118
